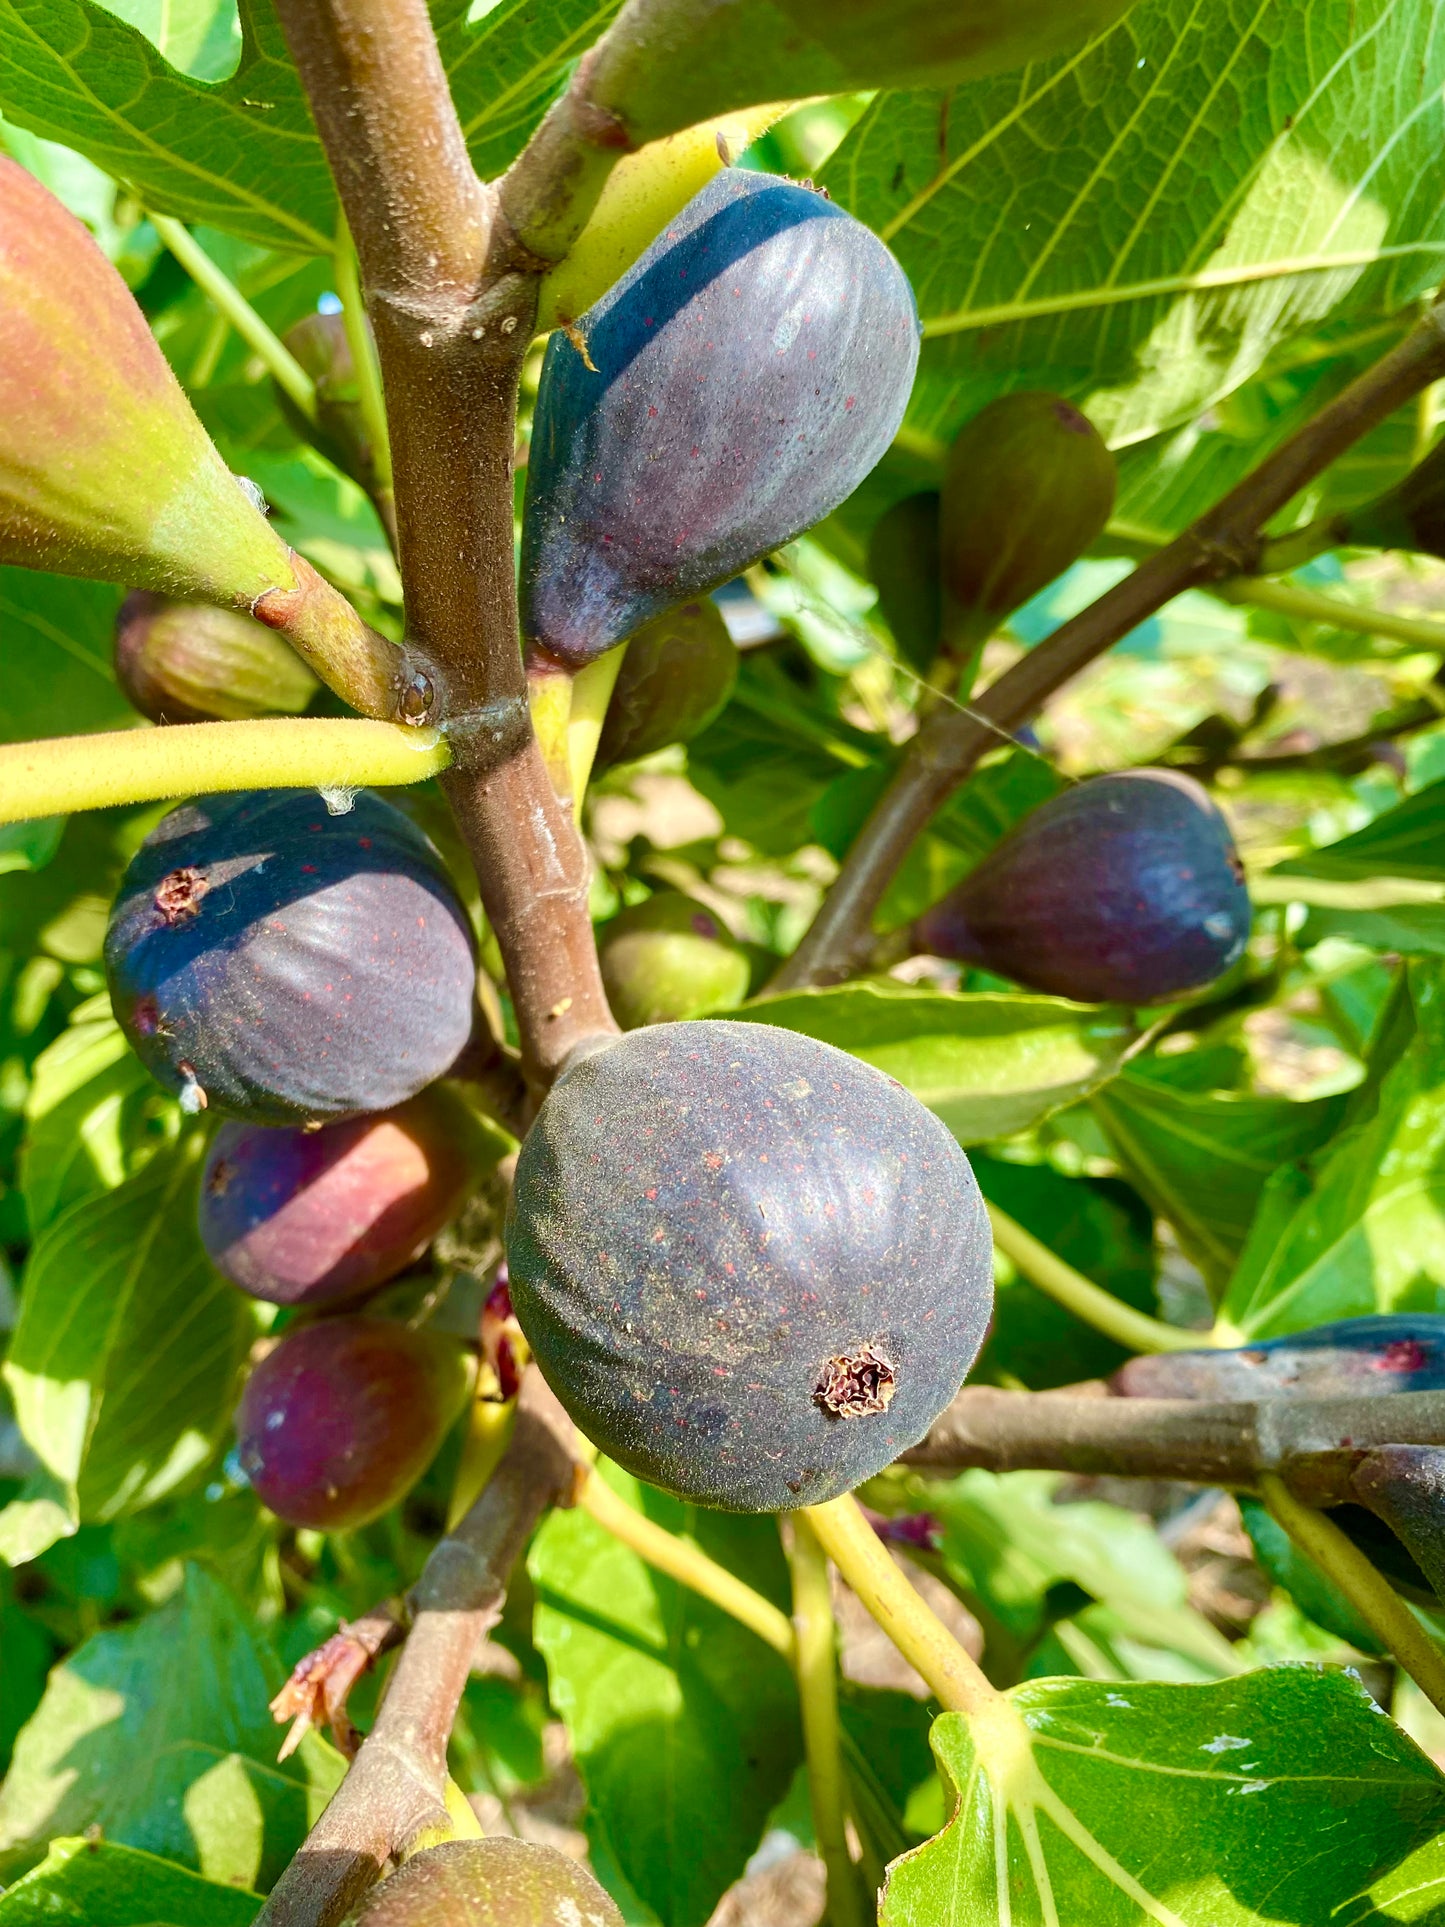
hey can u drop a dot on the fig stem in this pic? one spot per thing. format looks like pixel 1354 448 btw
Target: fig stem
pixel 347 273
pixel 955 1679
pixel 1223 542
pixel 688 1565
pixel 1310 605
pixel 816 1634
pixel 489 1432
pixel 1373 1598
pixel 58 774
pixel 591 693
pixel 227 299
pixel 1134 1329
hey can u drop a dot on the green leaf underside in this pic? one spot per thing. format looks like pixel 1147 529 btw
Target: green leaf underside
pixel 1135 225
pixel 986 1064
pixel 1407 841
pixel 1281 1796
pixel 95 1883
pixel 684 1725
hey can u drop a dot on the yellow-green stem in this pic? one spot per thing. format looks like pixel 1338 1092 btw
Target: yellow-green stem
pixel 591 692
pixel 489 1431
pixel 817 1673
pixel 364 359
pixel 1371 1595
pixel 1309 605
pixel 64 773
pixel 224 295
pixel 549 692
pixel 1086 1300
pixel 915 1629
pixel 687 1565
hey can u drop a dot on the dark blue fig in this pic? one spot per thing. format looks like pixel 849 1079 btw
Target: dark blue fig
pixel 283 964
pixel 1126 889
pixel 732 389
pixel 1350 1358
pixel 678 673
pixel 342 1417
pixel 301 1216
pixel 753 1268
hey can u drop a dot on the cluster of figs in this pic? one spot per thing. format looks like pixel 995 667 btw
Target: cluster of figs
pixel 753 1268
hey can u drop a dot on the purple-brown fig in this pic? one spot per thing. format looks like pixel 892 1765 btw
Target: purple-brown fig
pixel 669 958
pixel 1125 889
pixel 490 1883
pixel 730 390
pixel 185 662
pixel 341 1418
pixel 677 675
pixel 317 1217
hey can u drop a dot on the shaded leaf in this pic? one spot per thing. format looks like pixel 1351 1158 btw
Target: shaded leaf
pixel 1407 841
pixel 55 644
pixel 95 1883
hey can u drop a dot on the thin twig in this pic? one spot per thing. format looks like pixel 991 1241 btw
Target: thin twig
pixel 1224 542
pixel 396 1788
pixel 1081 1296
pixel 817 1671
pixel 228 300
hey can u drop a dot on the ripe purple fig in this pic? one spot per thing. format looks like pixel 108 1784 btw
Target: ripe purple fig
pixel 490 1883
pixel 343 1416
pixel 1348 1358
pixel 284 964
pixel 315 1217
pixel 670 958
pixel 753 1269
pixel 1029 485
pixel 737 384
pixel 677 675
pixel 182 662
pixel 1125 889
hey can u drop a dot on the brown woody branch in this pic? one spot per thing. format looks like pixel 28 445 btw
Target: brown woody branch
pixel 1224 542
pixel 396 1787
pixel 452 296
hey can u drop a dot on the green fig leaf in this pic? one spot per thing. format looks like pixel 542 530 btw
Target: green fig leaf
pixel 1407 841
pixel 55 642
pixel 1285 1795
pixel 95 1883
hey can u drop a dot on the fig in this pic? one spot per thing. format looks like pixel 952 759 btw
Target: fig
pixel 753 1268
pixel 285 964
pixel 1125 889
pixel 314 1217
pixel 905 563
pixel 1028 486
pixel 341 1418
pixel 677 675
pixel 1348 1358
pixel 319 343
pixel 490 1883
pixel 669 958
pixel 182 662
pixel 1410 516
pixel 730 390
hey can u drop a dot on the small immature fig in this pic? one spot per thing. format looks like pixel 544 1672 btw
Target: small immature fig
pixel 737 384
pixel 283 964
pixel 752 1268
pixel 341 1419
pixel 182 662
pixel 1410 516
pixel 905 562
pixel 490 1883
pixel 1029 485
pixel 315 1217
pixel 678 672
pixel 1348 1358
pixel 319 343
pixel 1126 889
pixel 669 958
pixel 105 470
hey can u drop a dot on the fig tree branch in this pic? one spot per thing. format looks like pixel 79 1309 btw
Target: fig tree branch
pixel 452 299
pixel 396 1788
pixel 1225 541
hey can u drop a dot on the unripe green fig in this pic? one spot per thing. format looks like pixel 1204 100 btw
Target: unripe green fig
pixel 490 1883
pixel 678 673
pixel 1029 485
pixel 105 470
pixel 184 662
pixel 667 64
pixel 905 562
pixel 1409 516
pixel 670 958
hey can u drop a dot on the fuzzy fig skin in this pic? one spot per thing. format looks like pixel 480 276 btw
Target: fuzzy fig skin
pixel 1349 1358
pixel 752 1268
pixel 678 673
pixel 281 964
pixel 182 662
pixel 746 374
pixel 490 1883
pixel 341 1419
pixel 1126 889
pixel 308 1217
pixel 670 958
